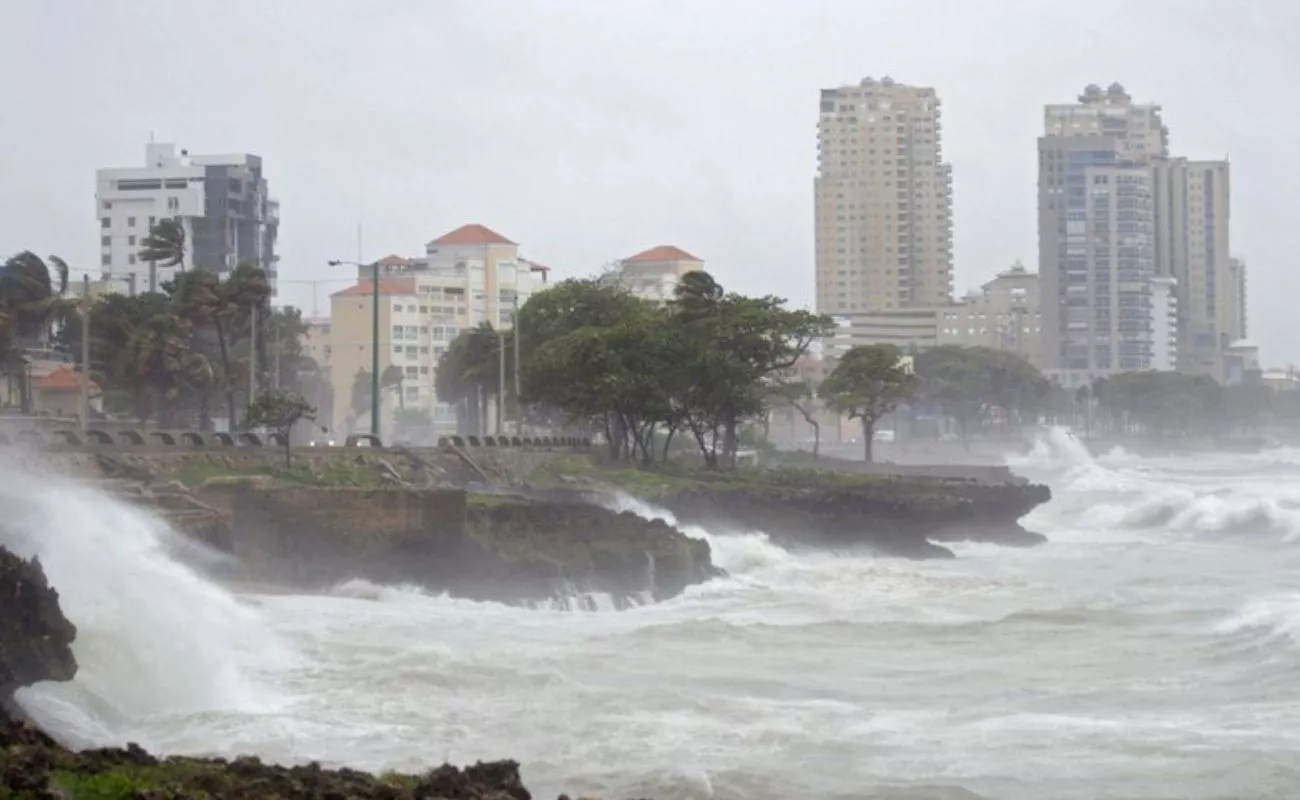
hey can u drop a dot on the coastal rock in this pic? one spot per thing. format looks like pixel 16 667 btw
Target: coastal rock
pixel 483 547
pixel 890 515
pixel 35 637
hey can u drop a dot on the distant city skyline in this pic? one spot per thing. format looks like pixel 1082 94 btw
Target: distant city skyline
pixel 586 164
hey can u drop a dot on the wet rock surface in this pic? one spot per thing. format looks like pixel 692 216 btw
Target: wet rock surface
pixel 35 637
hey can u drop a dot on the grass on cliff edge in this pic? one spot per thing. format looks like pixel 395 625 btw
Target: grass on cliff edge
pixel 661 479
pixel 333 473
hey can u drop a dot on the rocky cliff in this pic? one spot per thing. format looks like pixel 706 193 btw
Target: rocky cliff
pixel 484 547
pixel 900 516
pixel 35 637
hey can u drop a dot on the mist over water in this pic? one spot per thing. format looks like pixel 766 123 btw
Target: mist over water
pixel 1150 650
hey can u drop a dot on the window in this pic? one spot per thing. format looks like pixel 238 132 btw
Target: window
pixel 398 332
pixel 397 307
pixel 412 332
pixel 173 203
pixel 130 259
pixel 411 351
pixel 108 206
pixel 105 241
pixel 106 259
pixel 130 222
pixel 413 393
pixel 152 222
pixel 411 372
pixel 130 240
pixel 105 222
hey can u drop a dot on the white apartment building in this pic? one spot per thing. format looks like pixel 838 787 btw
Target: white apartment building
pixel 466 277
pixel 654 274
pixel 883 200
pixel 222 201
pixel 1164 323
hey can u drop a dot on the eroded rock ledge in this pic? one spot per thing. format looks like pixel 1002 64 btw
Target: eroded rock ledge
pixel 899 516
pixel 483 547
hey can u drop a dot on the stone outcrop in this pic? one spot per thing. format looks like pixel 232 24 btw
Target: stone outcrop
pixel 485 547
pixel 896 516
pixel 35 637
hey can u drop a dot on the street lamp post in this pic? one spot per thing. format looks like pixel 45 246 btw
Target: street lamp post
pixel 374 339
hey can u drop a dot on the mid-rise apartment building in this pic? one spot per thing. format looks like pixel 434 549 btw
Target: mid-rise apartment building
pixel 883 200
pixel 466 277
pixel 655 273
pixel 221 201
pixel 1192 247
pixel 1003 314
pixel 1096 235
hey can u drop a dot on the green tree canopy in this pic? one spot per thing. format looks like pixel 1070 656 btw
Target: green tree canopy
pixel 868 382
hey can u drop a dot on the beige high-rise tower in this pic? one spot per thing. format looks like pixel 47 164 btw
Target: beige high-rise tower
pixel 883 200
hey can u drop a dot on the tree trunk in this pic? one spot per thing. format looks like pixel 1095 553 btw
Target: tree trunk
pixel 288 450
pixel 225 369
pixel 817 438
pixel 668 441
pixel 868 437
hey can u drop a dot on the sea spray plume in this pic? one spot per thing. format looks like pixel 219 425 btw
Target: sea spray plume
pixel 154 637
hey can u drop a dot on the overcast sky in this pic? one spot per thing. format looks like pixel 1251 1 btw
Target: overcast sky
pixel 588 130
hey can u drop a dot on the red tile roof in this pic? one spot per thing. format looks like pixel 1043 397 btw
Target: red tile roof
pixel 386 286
pixel 664 252
pixel 394 261
pixel 472 234
pixel 63 379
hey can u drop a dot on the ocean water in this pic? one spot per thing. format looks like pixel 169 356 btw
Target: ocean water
pixel 1150 650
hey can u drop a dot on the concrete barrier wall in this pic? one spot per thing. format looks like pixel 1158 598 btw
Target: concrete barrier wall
pixel 135 439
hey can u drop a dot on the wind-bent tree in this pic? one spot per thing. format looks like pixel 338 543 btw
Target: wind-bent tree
pixel 279 410
pixel 799 396
pixel 164 245
pixel 868 382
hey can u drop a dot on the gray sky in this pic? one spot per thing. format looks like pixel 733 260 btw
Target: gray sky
pixel 588 130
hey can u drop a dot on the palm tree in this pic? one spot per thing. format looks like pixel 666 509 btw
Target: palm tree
pixel 164 245
pixel 30 292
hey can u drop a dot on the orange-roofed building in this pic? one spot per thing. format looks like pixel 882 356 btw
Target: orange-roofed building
pixel 58 393
pixel 654 273
pixel 467 276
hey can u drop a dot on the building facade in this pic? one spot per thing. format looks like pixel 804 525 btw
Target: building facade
pixel 883 200
pixel 1192 247
pixel 1096 235
pixel 222 202
pixel 1237 299
pixel 654 274
pixel 1004 314
pixel 467 277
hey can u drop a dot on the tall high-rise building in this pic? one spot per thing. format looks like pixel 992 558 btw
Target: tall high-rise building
pixel 1192 247
pixel 883 200
pixel 221 201
pixel 1096 237
pixel 1237 289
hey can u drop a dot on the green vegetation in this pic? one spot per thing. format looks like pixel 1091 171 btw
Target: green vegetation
pixel 172 356
pixel 867 383
pixel 596 357
pixel 280 411
pixel 325 472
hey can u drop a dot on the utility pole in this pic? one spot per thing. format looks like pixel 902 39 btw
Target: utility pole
pixel 132 290
pixel 501 377
pixel 374 344
pixel 519 406
pixel 275 377
pixel 153 276
pixel 252 359
pixel 85 353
